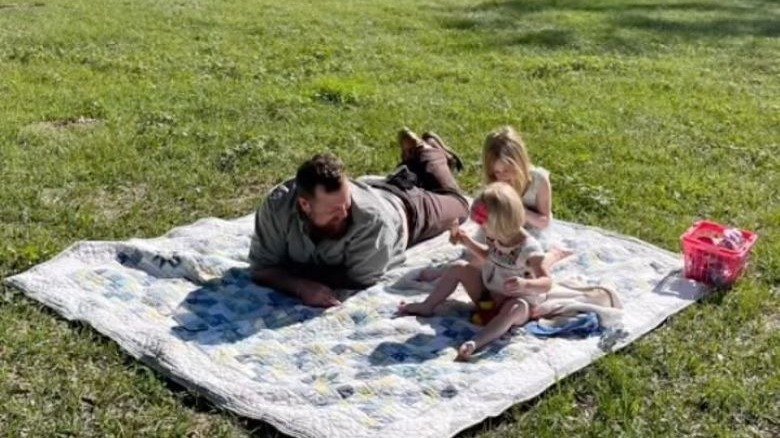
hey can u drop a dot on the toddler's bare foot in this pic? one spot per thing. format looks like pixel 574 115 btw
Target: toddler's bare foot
pixel 414 309
pixel 466 350
pixel 430 274
pixel 557 254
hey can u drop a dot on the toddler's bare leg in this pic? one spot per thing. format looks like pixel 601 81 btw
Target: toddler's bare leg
pixel 513 312
pixel 454 275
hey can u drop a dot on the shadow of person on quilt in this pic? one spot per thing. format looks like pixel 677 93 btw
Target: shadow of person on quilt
pixel 232 307
pixel 448 332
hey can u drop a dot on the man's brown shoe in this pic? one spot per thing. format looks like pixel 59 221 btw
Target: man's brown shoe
pixel 453 160
pixel 409 142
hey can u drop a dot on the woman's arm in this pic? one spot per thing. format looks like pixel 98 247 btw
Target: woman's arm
pixel 541 215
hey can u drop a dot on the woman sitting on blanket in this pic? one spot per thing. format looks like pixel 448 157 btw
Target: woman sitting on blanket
pixel 512 273
pixel 505 159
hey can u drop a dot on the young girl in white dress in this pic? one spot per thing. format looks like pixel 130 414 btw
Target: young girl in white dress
pixel 511 272
pixel 505 159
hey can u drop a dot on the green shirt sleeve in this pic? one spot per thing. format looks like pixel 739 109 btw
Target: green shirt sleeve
pixel 269 247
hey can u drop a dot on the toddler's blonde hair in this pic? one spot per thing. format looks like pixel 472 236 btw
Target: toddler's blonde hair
pixel 505 145
pixel 505 211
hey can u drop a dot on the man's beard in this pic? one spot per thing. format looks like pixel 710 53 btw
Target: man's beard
pixel 332 231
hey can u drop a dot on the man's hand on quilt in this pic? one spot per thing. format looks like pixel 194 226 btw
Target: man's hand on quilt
pixel 318 295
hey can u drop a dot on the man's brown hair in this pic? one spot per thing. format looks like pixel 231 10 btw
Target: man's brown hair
pixel 325 170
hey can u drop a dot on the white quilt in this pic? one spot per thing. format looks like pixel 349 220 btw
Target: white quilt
pixel 183 304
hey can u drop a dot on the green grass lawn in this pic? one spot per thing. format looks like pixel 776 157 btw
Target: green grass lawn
pixel 122 119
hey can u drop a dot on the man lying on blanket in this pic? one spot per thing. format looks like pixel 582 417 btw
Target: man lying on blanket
pixel 321 230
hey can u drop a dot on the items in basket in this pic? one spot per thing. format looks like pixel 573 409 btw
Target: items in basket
pixel 716 254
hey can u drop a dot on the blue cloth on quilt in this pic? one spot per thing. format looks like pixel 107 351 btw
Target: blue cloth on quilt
pixel 582 325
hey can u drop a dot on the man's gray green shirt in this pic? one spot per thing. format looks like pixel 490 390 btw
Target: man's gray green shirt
pixel 374 242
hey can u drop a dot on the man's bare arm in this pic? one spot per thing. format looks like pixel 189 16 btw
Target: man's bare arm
pixel 310 292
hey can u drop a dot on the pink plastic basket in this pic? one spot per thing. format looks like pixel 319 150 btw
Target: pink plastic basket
pixel 710 263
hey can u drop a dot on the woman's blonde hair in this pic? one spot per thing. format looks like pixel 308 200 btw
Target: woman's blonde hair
pixel 505 145
pixel 505 211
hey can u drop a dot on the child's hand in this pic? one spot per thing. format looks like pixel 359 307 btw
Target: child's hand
pixel 515 286
pixel 456 233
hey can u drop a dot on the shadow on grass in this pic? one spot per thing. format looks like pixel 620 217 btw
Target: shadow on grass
pixel 716 28
pixel 608 25
pixel 550 38
pixel 619 6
